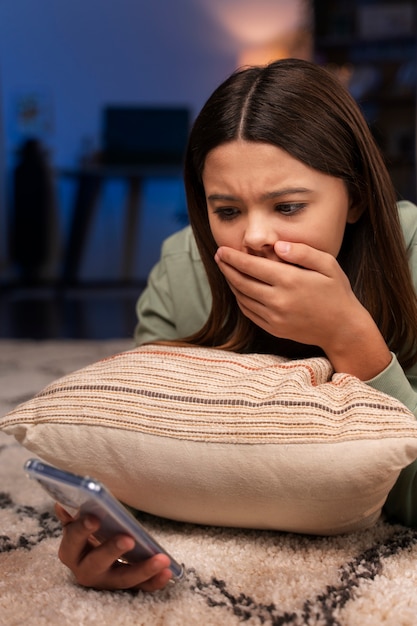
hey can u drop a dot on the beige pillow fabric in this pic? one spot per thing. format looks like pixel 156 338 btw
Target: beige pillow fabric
pixel 214 437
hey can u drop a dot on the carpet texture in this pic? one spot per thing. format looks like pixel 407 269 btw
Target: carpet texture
pixel 232 576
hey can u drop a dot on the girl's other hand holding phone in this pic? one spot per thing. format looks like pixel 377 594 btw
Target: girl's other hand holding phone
pixel 98 566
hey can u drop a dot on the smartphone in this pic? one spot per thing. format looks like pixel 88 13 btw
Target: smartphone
pixel 87 495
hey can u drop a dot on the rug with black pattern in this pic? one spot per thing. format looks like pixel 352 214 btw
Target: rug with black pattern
pixel 232 577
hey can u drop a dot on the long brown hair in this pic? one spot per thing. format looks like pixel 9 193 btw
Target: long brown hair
pixel 303 109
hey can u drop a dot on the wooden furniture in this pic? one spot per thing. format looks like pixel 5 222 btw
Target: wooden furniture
pixel 90 181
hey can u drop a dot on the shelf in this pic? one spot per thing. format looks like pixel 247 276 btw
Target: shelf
pixel 389 100
pixel 350 41
pixel 380 72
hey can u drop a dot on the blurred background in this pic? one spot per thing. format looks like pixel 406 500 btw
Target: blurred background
pixel 96 99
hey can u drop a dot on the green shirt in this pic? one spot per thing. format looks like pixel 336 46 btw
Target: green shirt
pixel 177 302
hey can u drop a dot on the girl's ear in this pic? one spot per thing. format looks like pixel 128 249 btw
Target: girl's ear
pixel 354 213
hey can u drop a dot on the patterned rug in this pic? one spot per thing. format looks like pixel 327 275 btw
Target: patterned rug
pixel 232 576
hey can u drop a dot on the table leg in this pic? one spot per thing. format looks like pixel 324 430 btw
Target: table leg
pixel 87 195
pixel 132 212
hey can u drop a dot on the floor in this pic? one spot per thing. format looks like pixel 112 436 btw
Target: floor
pixel 76 312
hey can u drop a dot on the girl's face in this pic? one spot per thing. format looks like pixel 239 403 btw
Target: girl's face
pixel 258 194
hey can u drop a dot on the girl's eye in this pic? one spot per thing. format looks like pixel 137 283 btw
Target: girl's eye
pixel 289 208
pixel 226 213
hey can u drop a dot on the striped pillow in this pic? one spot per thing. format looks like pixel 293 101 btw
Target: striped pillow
pixel 214 437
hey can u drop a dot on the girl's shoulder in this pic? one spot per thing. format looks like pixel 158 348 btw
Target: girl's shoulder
pixel 407 212
pixel 181 243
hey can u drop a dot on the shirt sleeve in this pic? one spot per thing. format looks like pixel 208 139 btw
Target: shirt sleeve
pixel 176 301
pixel 154 308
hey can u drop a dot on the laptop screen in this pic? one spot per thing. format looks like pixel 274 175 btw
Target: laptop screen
pixel 133 135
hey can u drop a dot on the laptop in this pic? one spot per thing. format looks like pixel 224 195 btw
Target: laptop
pixel 144 135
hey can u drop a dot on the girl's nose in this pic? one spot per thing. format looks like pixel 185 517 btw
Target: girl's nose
pixel 259 237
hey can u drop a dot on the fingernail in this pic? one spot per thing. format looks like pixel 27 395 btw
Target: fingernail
pixel 283 247
pixel 125 543
pixel 157 565
pixel 89 523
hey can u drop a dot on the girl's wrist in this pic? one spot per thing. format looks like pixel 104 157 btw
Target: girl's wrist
pixel 360 351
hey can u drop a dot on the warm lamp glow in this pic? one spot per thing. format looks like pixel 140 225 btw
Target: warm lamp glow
pixel 261 55
pixel 297 44
pixel 265 30
pixel 254 22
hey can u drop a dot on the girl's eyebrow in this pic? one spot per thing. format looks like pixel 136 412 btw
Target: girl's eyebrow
pixel 269 195
pixel 222 196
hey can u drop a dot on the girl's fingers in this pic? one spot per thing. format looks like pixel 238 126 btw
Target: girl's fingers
pixel 150 575
pixel 63 515
pixel 265 269
pixel 97 565
pixel 301 255
pixel 251 266
pixel 96 570
pixel 75 539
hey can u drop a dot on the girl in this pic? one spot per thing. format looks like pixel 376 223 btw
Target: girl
pixel 297 248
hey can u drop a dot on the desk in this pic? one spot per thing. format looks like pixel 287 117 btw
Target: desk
pixel 90 180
